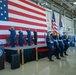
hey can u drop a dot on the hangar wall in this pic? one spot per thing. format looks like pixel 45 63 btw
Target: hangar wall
pixel 75 27
pixel 68 24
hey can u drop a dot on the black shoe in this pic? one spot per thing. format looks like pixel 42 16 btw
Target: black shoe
pixel 66 54
pixel 62 56
pixel 51 60
pixel 58 58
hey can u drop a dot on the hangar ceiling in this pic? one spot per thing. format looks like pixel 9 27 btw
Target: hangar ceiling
pixel 69 3
pixel 66 6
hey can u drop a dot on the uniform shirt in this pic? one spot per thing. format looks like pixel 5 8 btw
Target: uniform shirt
pixel 13 32
pixel 49 41
pixel 21 34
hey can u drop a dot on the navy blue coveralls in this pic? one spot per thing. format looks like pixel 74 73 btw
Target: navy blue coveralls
pixel 20 38
pixel 12 37
pixel 50 45
pixel 29 37
pixel 65 43
pixel 56 45
pixel 35 37
pixel 61 44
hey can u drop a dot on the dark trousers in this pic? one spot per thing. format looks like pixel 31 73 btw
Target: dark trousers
pixel 66 46
pixel 29 41
pixel 57 51
pixel 50 52
pixel 12 41
pixel 35 42
pixel 21 41
pixel 62 51
pixel 65 49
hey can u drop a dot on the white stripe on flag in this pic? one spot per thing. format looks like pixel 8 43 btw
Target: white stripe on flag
pixel 27 5
pixel 21 25
pixel 25 18
pixel 27 12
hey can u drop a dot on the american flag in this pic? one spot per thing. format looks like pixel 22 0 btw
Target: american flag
pixel 22 14
pixel 54 26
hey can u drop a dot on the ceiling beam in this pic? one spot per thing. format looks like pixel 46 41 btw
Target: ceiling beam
pixel 64 7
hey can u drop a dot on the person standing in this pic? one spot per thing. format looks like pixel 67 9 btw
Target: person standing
pixel 56 45
pixel 35 37
pixel 29 36
pixel 12 36
pixel 65 40
pixel 50 46
pixel 61 44
pixel 20 37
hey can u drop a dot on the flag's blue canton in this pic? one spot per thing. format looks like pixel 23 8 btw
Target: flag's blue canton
pixel 3 10
pixel 53 17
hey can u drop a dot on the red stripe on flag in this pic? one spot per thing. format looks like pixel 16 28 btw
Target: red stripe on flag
pixel 42 42
pixel 25 8
pixel 26 22
pixel 26 15
pixel 4 36
pixel 3 27
pixel 54 27
pixel 33 4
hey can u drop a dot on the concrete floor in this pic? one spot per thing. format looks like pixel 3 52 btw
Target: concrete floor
pixel 65 66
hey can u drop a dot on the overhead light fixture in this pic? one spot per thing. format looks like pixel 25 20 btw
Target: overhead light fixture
pixel 74 3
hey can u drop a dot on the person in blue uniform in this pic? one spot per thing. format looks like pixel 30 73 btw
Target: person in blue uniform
pixel 61 45
pixel 50 46
pixel 51 36
pixel 35 37
pixel 65 40
pixel 56 45
pixel 20 37
pixel 12 36
pixel 29 36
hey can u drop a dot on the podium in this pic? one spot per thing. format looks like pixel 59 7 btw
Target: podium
pixel 1 57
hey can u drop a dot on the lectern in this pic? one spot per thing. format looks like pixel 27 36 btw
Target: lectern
pixel 1 57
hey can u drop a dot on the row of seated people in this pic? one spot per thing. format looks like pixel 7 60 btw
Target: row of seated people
pixel 57 45
pixel 12 39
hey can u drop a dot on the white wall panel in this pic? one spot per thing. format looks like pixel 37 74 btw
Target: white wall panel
pixel 69 26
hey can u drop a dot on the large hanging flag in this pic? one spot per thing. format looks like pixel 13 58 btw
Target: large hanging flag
pixel 54 26
pixel 22 14
pixel 60 25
